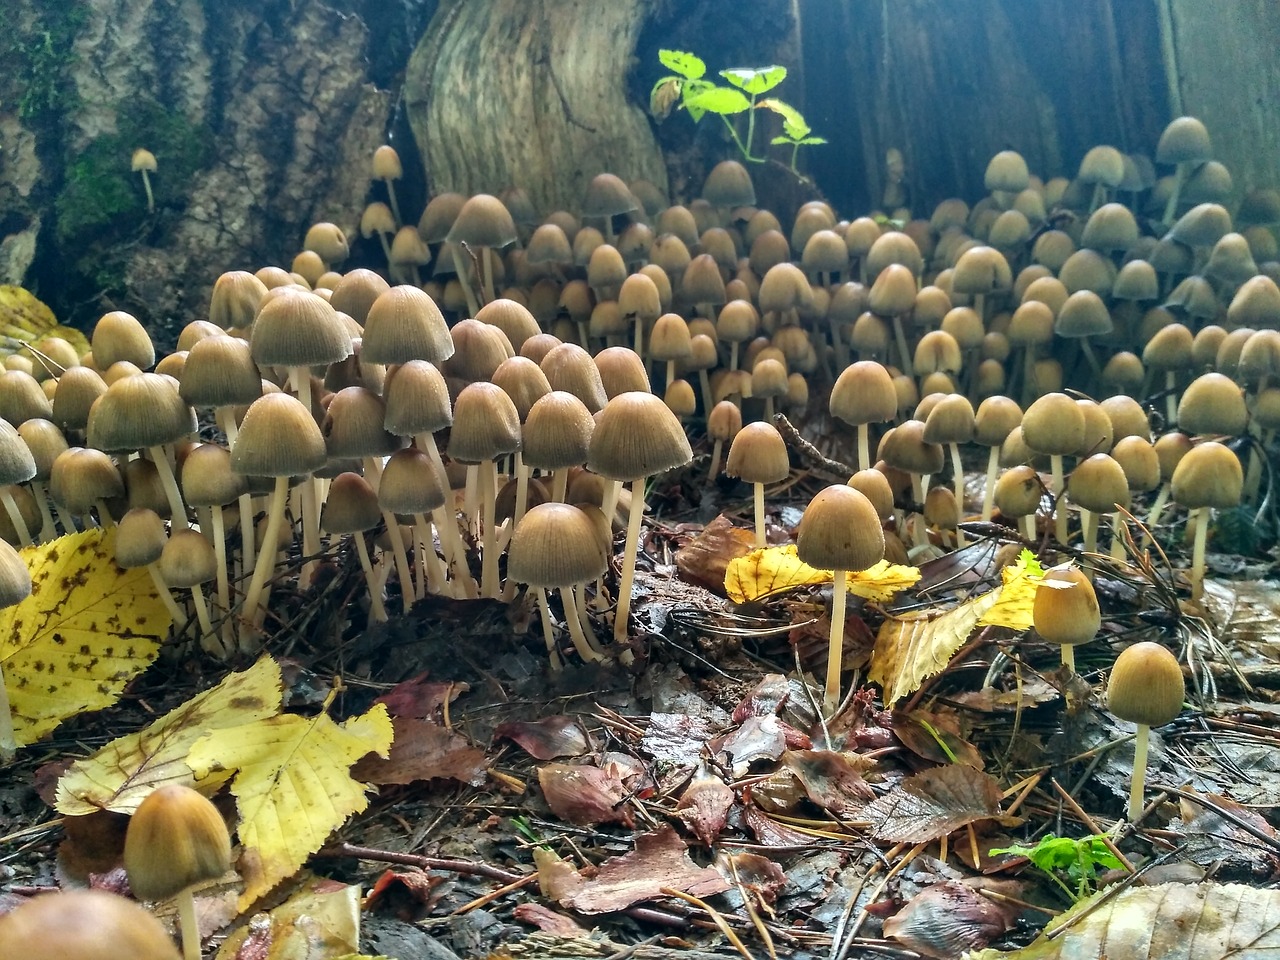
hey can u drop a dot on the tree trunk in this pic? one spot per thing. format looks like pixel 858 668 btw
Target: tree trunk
pixel 530 93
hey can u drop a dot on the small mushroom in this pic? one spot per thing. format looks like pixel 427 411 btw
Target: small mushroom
pixel 1146 688
pixel 1065 610
pixel 758 455
pixel 84 925
pixel 144 162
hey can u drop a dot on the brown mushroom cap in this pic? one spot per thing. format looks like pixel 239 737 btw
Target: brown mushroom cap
pixel 1146 685
pixel 405 324
pixel 1065 610
pixel 140 411
pixel 219 372
pixel 411 483
pixel 864 393
pixel 570 368
pixel 486 425
pixel 556 545
pixel 1053 425
pixel 188 559
pixel 278 438
pixel 995 419
pixel 176 839
pixel 1212 404
pixel 1098 484
pixel 840 530
pixel 296 328
pixel 758 454
pixel 351 505
pixel 637 436
pixel 1208 475
pixel 874 485
pixel 557 432
pixel 417 399
pixel 904 447
pixel 1018 491
pixel 84 925
pixel 119 336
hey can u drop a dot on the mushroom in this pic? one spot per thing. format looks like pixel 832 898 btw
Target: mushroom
pixel 864 394
pixel 997 417
pixel 144 162
pixel 412 486
pixel 17 465
pixel 82 480
pixel 1185 144
pixel 483 223
pixel 1055 425
pixel 758 456
pixel 84 925
pixel 608 196
pixel 140 540
pixel 904 448
pixel 1146 689
pixel 1065 610
pixel 208 481
pixel 45 441
pixel 525 384
pixel 951 421
pixel 1097 486
pixel 723 424
pixel 186 561
pixel 556 437
pixel 176 840
pixel 839 531
pixel 388 169
pixel 350 509
pixel 1208 477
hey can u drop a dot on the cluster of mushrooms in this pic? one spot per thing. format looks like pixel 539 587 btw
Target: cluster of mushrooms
pixel 485 417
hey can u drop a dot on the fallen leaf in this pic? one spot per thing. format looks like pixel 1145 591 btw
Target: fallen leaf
pixel 1172 921
pixel 764 573
pixel 585 794
pixel 766 698
pixel 830 779
pixel 86 630
pixel 770 832
pixel 705 559
pixel 758 738
pixel 421 698
pixel 660 861
pixel 292 784
pixel 935 737
pixel 948 918
pixel 422 750
pixel 25 318
pixel 548 738
pixel 321 920
pixel 92 844
pixel 909 650
pixel 405 894
pixel 930 805
pixel 677 738
pixel 547 920
pixel 128 768
pixel 757 873
pixel 704 806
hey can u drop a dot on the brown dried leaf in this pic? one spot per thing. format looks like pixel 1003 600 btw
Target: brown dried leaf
pixel 585 795
pixel 676 738
pixel 755 872
pixel 935 737
pixel 830 779
pixel 419 698
pixel 93 844
pixel 932 804
pixel 946 919
pixel 547 920
pixel 406 894
pixel 769 832
pixel 704 807
pixel 660 861
pixel 423 750
pixel 765 699
pixel 548 738
pixel 704 559
pixel 759 738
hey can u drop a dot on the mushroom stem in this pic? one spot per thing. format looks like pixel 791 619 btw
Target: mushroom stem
pixel 733 355
pixel 628 575
pixel 186 904
pixel 548 633
pixel 640 337
pixel 704 381
pixel 989 489
pixel 1179 178
pixel 210 642
pixel 470 496
pixel 522 489
pixel 917 492
pixel 1059 507
pixel 486 280
pixel 1157 508
pixel 15 517
pixel 223 585
pixel 1029 527
pixel 835 650
pixel 460 266
pixel 426 543
pixel 176 613
pixel 958 469
pixel 169 482
pixel 1200 517
pixel 758 490
pixel 560 485
pixel 270 540
pixel 1117 536
pixel 1139 771
pixel 391 195
pixel 716 449
pixel 105 519
pixel 1089 527
pixel 904 354
pixel 376 609
pixel 48 528
pixel 864 446
pixel 400 558
pixel 1171 396
pixel 1069 657
pixel 489 586
pixel 586 649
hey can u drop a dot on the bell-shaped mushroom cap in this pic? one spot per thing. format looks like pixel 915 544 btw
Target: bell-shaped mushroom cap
pixel 1137 280
pixel 1137 458
pixel 524 382
pixel 1256 304
pixel 937 352
pixel 738 321
pixel 411 483
pixel 1201 226
pixel 1184 140
pixel 483 221
pixel 141 411
pixel 1018 491
pixel 785 287
pixel 356 292
pixel 512 318
pixel 1128 418
pixel 1146 685
pixel 350 507
pixel 119 336
pixel 486 425
pixel 904 447
pixel 637 436
pixel 549 244
pixel 1208 475
pixel 724 421
pixel 278 438
pixel 1212 404
pixel 188 559
pixel 1065 609
pixel 478 349
pixel 1053 425
pixel 1102 164
pixel 570 368
pixel 207 478
pixel 439 215
pixel 176 839
pixel 621 371
pixel 1084 314
pixel 729 185
pixel 295 328
pixel 386 163
pixel 639 298
pixel 354 425
pixel 894 291
pixel 219 372
pixel 951 420
pixel 44 441
pixel 77 388
pixel 840 530
pixel 417 399
pixel 557 432
pixel 702 283
pixel 17 465
pixel 758 455
pixel 981 270
pixel 235 299
pixel 864 393
pixel 405 324
pixel 1169 348
pixel 556 545
pixel 1098 484
pixel 15 580
pixel 1007 171
pixel 84 925
pixel 996 418
pixel 328 240
pixel 607 195
pixel 875 486
pixel 891 247
pixel 81 476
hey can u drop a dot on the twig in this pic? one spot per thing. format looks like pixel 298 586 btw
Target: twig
pixel 465 867
pixel 1089 822
pixel 826 467
pixel 729 933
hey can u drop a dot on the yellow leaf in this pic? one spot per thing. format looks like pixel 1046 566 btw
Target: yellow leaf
pixel 292 786
pixel 119 775
pixel 763 573
pixel 909 650
pixel 24 317
pixel 321 920
pixel 87 629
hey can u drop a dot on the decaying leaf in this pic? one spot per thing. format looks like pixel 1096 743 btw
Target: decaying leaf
pixel 660 861
pixel 407 894
pixel 763 573
pixel 830 779
pixel 932 804
pixel 947 918
pixel 1172 921
pixel 24 317
pixel 585 794
pixel 423 750
pixel 758 738
pixel 86 630
pixel 292 784
pixel 421 698
pixel 123 772
pixel 319 921
pixel 704 806
pixel 705 559
pixel 547 920
pixel 756 873
pixel 548 738
pixel 909 650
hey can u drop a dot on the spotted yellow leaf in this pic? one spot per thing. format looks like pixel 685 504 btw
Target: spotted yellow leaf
pixel 911 649
pixel 25 319
pixel 292 784
pixel 87 629
pixel 321 920
pixel 763 573
pixel 122 773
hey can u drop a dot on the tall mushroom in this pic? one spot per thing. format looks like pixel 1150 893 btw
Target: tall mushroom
pixel 758 456
pixel 350 509
pixel 1208 477
pixel 1146 689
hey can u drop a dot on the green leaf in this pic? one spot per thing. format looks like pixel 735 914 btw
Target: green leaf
pixel 788 113
pixel 1033 567
pixel 755 80
pixel 783 139
pixel 685 64
pixel 814 140
pixel 721 100
pixel 690 90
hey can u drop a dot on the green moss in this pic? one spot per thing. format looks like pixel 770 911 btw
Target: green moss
pixel 42 58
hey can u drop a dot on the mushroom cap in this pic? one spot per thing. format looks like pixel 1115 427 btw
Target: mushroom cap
pixel 1053 425
pixel 278 438
pixel 1184 140
pixel 140 538
pixel 758 454
pixel 119 336
pixel 235 299
pixel 512 318
pixel 724 421
pixel 207 478
pixel 738 321
pixel 894 247
pixel 639 298
pixel 950 421
pixel 84 925
pixel 1098 484
pixel 219 372
pixel 1128 418
pixel 77 388
pixel 1212 404
pixel 608 195
pixel 386 163
pixel 894 291
pixel 356 292
pixel 439 215
pixel 351 506
pixel 140 411
pixel 729 185
pixel 17 465
pixel 1146 685
pixel 557 432
pixel 81 476
pixel 995 419
pixel 15 578
pixel 1201 226
pixel 905 448
pixel 874 485
pixel 417 399
pixel 188 559
pixel 328 240
pixel 1137 458
pixel 1065 609
pixel 478 349
pixel 176 839
pixel 1084 314
pixel 570 368
pixel 411 483
pixel 486 425
pixel 524 382
pixel 1007 171
pixel 557 545
pixel 864 393
pixel 637 436
pixel 405 324
pixel 549 244
pixel 1018 491
pixel 840 530
pixel 621 371
pixel 702 282
pixel 1208 475
pixel 981 270
pixel 785 287
pixel 1102 164
pixel 483 221
pixel 297 329
pixel 354 425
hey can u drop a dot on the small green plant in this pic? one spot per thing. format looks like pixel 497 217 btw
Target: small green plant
pixel 1079 859
pixel 688 88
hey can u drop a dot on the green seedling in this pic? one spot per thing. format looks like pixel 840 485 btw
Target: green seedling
pixel 1078 859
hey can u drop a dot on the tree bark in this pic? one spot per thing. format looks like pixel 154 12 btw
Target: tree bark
pixel 530 93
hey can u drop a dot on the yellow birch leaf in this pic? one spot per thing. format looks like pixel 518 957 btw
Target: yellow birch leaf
pixel 87 629
pixel 763 573
pixel 320 920
pixel 1013 608
pixel 292 785
pixel 119 775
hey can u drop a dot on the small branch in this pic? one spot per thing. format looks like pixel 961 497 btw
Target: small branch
pixel 825 466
